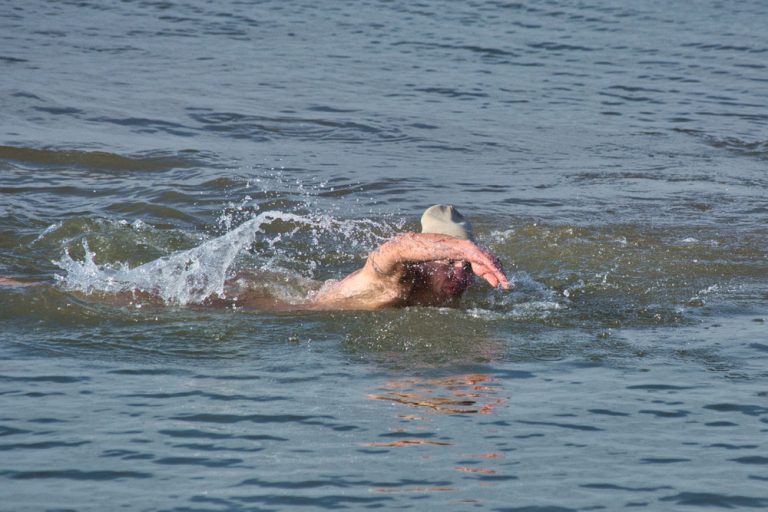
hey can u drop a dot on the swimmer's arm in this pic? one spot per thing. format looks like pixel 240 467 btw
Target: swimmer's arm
pixel 384 280
pixel 390 260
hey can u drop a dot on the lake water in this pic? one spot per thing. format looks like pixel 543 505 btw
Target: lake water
pixel 614 155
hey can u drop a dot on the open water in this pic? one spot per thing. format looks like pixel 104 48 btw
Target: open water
pixel 613 154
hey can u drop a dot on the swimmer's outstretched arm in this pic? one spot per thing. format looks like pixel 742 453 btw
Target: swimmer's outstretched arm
pixel 391 258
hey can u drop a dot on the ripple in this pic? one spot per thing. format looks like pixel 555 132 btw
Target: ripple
pixel 757 149
pixel 149 371
pixel 749 410
pixel 666 414
pixel 608 412
pixel 43 445
pixel 199 434
pixel 75 474
pixel 9 431
pixel 92 159
pixel 613 487
pixel 491 54
pixel 659 387
pixel 559 47
pixel 147 126
pixel 198 461
pixel 127 454
pixel 452 93
pixel 54 379
pixel 12 60
pixel 212 396
pixel 144 210
pixel 705 499
pixel 663 460
pixel 755 459
pixel 567 426
pixel 339 481
pixel 264 128
pixel 538 508
pixel 725 47
pixel 331 502
pixel 265 419
pixel 728 446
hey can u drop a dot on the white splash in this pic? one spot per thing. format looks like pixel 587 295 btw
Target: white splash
pixel 185 277
pixel 47 231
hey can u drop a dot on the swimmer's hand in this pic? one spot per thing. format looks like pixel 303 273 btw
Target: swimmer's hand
pixel 492 271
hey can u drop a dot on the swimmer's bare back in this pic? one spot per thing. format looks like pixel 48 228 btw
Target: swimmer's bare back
pixel 246 301
pixel 255 303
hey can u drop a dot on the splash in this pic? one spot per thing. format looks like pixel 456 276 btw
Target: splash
pixel 192 276
pixel 528 300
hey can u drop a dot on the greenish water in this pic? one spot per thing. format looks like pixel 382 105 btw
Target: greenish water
pixel 612 156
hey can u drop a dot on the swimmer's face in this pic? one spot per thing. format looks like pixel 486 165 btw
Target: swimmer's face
pixel 448 278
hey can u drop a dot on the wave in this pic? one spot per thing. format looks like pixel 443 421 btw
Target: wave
pixel 99 160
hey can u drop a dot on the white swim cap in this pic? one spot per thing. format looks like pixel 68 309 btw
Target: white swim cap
pixel 446 220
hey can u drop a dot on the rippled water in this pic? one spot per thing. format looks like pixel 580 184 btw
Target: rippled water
pixel 613 155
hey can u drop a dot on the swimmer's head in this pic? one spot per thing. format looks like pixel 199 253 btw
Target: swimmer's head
pixel 446 220
pixel 447 278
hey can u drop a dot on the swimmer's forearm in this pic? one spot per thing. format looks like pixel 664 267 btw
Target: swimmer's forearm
pixel 390 258
pixel 417 248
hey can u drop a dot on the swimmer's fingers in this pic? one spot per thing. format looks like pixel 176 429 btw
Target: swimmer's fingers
pixel 488 267
pixel 494 277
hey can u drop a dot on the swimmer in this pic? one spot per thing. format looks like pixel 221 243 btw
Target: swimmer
pixel 431 268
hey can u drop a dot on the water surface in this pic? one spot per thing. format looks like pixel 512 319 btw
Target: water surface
pixel 613 156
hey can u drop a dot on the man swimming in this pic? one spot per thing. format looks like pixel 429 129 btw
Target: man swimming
pixel 431 268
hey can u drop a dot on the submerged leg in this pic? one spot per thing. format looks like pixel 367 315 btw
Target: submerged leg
pixel 4 281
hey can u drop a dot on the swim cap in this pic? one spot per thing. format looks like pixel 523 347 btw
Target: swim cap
pixel 446 220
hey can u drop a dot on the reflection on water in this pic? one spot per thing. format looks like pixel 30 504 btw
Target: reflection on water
pixel 406 490
pixel 480 471
pixel 408 442
pixel 464 394
pixel 441 398
pixel 451 395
